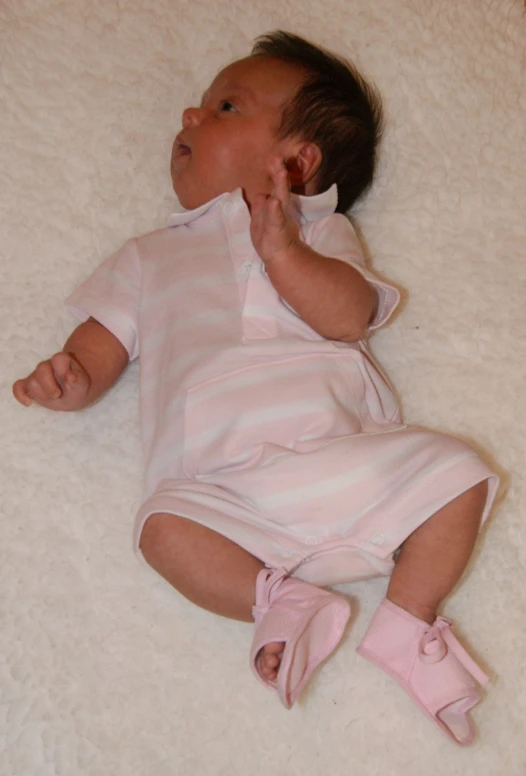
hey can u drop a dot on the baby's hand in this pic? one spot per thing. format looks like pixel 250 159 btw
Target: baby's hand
pixel 60 383
pixel 273 228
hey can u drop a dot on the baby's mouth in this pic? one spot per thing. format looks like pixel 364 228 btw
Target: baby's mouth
pixel 181 148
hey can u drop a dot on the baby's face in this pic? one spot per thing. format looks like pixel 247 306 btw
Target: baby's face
pixel 231 139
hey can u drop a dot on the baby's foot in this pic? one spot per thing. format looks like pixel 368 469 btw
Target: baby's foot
pixel 270 660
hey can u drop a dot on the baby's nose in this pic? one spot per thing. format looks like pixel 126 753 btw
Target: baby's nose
pixel 191 117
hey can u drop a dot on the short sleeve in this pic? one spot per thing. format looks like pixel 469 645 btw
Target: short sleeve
pixel 334 236
pixel 111 295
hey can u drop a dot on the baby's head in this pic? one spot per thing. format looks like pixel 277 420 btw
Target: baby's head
pixel 288 99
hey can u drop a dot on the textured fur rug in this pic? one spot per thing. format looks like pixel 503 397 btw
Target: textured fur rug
pixel 104 670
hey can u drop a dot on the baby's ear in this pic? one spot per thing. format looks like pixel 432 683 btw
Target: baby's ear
pixel 303 166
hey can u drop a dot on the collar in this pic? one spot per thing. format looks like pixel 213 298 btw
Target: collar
pixel 309 208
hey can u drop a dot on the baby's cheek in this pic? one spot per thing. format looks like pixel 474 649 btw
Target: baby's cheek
pixel 257 163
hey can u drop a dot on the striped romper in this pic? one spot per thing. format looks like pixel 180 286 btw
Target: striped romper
pixel 254 425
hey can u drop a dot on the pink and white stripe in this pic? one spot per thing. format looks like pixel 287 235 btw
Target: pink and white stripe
pixel 252 423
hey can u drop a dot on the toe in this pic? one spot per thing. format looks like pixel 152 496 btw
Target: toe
pixel 274 647
pixel 270 660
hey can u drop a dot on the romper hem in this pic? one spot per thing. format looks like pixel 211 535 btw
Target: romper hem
pixel 348 558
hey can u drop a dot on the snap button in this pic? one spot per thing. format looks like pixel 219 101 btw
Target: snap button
pixel 228 209
pixel 247 266
pixel 378 538
pixel 286 553
pixel 311 540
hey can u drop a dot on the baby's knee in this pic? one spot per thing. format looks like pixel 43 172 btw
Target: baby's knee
pixel 157 536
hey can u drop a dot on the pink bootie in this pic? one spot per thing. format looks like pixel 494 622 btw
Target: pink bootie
pixel 309 621
pixel 429 663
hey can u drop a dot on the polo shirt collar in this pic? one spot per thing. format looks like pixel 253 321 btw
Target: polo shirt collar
pixel 309 208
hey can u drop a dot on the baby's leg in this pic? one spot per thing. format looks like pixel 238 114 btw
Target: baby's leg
pixel 407 639
pixel 208 569
pixel 433 558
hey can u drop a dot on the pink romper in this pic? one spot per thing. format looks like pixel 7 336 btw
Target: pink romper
pixel 252 423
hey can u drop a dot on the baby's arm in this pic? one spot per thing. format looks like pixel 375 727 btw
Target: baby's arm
pixel 330 295
pixel 90 363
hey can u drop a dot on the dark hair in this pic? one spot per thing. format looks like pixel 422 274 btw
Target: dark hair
pixel 336 108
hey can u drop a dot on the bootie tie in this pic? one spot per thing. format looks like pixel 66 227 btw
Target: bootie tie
pixel 429 663
pixel 309 621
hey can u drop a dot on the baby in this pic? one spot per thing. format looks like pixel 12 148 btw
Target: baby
pixel 276 460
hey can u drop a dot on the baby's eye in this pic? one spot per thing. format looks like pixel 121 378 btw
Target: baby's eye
pixel 226 105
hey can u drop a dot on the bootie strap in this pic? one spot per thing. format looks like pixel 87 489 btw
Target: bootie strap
pixel 435 643
pixel 429 663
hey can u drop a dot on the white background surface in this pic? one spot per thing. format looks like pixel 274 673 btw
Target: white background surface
pixel 104 669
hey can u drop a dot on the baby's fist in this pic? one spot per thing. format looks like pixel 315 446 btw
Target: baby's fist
pixel 60 383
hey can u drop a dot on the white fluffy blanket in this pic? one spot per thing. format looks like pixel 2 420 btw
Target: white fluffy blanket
pixel 104 669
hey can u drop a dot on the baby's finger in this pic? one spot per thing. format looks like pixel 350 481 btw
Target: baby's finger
pixel 61 363
pixel 69 373
pixel 280 179
pixel 20 393
pixel 43 383
pixel 40 395
pixel 276 212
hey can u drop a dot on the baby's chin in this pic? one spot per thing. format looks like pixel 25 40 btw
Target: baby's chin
pixel 190 200
pixel 186 200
